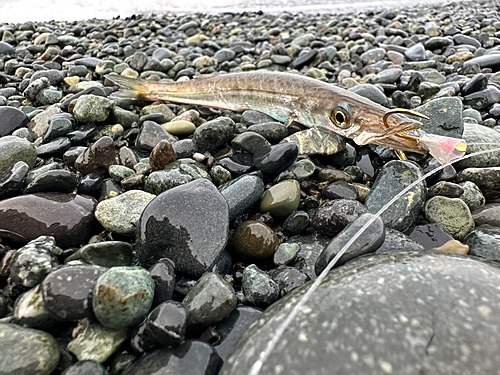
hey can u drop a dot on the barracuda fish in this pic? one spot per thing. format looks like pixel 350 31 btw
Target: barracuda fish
pixel 290 97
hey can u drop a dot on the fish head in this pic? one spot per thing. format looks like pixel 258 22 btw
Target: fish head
pixel 365 122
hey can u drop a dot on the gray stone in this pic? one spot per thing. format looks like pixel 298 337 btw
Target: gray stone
pixel 397 241
pixel 480 138
pixel 391 180
pixel 484 242
pixel 209 301
pixel 472 195
pixel 370 294
pixel 121 213
pixel 14 149
pixel 27 351
pixel 242 193
pixel 445 117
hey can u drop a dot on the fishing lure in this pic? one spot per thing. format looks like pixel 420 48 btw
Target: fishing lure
pixel 289 97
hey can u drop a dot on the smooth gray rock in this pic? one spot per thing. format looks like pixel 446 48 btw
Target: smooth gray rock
pixel 369 297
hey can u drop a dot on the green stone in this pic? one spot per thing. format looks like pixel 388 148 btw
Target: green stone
pixel 95 342
pixel 159 108
pixel 332 175
pixel 285 253
pixel 281 199
pixel 27 351
pixel 250 141
pixel 302 169
pixel 123 296
pixel 119 172
pixel 220 175
pixel 14 149
pixel 92 108
pixel 281 59
pixel 180 128
pixel 105 254
pixel 452 213
pixel 121 213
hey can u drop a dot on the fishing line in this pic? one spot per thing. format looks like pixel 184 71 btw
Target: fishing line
pixel 271 344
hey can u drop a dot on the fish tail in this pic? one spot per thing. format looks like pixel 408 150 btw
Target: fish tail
pixel 130 88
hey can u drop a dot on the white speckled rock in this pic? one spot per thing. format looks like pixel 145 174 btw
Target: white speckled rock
pixel 120 214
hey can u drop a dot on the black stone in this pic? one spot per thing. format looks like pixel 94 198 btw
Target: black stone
pixel 340 190
pixel 288 278
pixel 369 241
pixel 397 241
pixel 296 222
pixel 430 235
pixel 191 357
pixel 188 224
pixel 56 146
pixel 163 274
pixel 67 291
pixel 237 164
pixel 304 59
pixel 166 324
pixel 12 181
pixel 331 217
pixel 484 242
pixel 58 180
pixel 11 119
pixel 279 158
pixel 477 83
pixel 90 184
pixel 67 217
pixel 151 133
pixel 233 327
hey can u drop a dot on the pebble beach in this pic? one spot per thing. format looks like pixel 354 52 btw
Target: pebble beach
pixel 152 237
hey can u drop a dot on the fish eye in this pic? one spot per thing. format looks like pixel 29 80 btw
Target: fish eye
pixel 340 118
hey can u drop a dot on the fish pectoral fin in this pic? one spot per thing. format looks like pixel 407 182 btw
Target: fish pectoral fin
pixel 292 118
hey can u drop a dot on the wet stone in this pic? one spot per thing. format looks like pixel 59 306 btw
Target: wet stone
pixel 392 179
pixel 191 357
pixel 27 351
pixel 332 175
pixel 452 213
pixel 161 155
pixel 317 141
pixel 220 175
pixel 285 253
pixel 11 119
pixel 56 146
pixel 472 196
pixel 296 222
pixel 484 242
pixel 85 368
pixel 242 193
pixel 445 117
pixel 430 235
pixel 485 61
pixel 32 262
pixel 166 324
pixel 258 288
pixel 288 278
pixel 331 217
pixel 122 296
pixel 90 184
pixel 277 159
pixel 29 310
pixel 105 254
pixel 340 190
pixel 340 311
pixel 272 131
pixel 184 148
pixel 480 138
pixel 483 99
pixel 62 181
pixel 189 223
pixel 163 274
pixel 477 83
pixel 233 327
pixel 254 239
pixel 302 169
pixel 180 128
pixel 151 133
pixel 95 342
pixel 369 241
pixel 213 134
pixel 281 199
pixel 371 92
pixel 120 214
pixel 487 214
pixel 251 142
pixel 119 172
pixel 161 181
pixel 14 149
pixel 397 241
pixel 92 108
pixel 486 179
pixel 67 291
pixel 12 181
pixel 209 301
pixel 237 164
pixel 445 189
pixel 97 157
pixel 59 125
